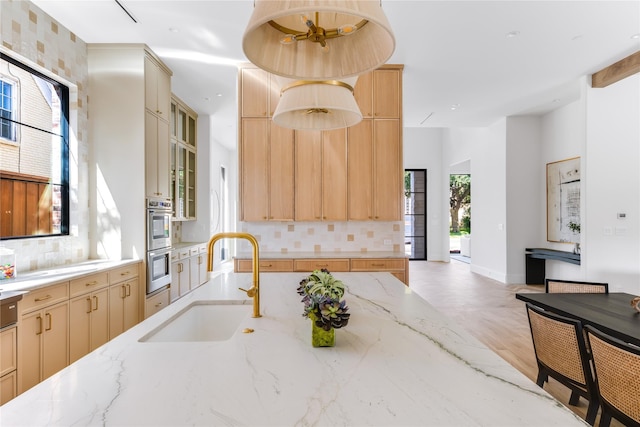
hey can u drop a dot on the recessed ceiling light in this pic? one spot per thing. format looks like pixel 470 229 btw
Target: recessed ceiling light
pixel 636 36
pixel 218 94
pixel 454 107
pixel 512 34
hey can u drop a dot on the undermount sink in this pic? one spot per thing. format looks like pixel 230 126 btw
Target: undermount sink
pixel 201 321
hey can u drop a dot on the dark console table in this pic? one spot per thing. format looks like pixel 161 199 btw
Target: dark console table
pixel 535 259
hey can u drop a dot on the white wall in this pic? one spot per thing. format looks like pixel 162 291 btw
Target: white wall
pixel 611 246
pixel 523 192
pixel 423 150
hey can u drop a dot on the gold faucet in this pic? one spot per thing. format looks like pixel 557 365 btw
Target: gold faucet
pixel 254 291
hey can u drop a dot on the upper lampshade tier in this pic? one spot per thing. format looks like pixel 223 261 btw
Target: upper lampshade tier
pixel 321 39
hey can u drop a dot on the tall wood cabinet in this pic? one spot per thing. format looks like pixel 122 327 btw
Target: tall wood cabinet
pixel 345 174
pixel 266 171
pixel 321 175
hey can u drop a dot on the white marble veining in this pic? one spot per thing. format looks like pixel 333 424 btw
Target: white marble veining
pixel 398 362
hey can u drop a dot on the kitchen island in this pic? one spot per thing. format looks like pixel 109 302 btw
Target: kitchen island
pixel 398 362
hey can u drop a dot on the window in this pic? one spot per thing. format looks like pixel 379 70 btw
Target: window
pixel 34 153
pixel 7 113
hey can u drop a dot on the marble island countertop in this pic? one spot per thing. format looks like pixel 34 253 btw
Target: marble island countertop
pixel 398 362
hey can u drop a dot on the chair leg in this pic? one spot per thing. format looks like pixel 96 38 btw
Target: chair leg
pixel 605 418
pixel 592 411
pixel 542 378
pixel 574 399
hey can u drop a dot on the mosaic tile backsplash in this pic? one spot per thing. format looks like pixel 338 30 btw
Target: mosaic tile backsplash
pixel 352 236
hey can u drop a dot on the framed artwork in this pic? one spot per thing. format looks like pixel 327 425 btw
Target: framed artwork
pixel 563 201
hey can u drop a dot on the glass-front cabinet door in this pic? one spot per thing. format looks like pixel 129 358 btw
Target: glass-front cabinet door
pixel 183 160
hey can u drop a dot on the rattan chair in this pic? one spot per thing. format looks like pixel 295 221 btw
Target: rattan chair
pixel 561 353
pixel 553 286
pixel 617 376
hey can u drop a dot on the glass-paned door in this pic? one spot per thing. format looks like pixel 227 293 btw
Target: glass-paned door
pixel 415 213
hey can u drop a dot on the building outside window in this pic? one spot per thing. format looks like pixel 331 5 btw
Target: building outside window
pixel 34 152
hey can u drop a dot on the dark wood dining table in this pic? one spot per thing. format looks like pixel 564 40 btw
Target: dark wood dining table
pixel 611 313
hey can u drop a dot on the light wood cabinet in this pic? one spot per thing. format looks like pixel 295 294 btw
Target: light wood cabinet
pixel 88 314
pixel 125 294
pixel 321 175
pixel 156 302
pixel 43 343
pixel 265 265
pixel 379 93
pixel 259 93
pixel 375 171
pixel 399 267
pixel 88 323
pixel 180 274
pixel 183 161
pixel 8 364
pixel 156 156
pixel 361 182
pixel 157 83
pixel 266 171
pixel 157 86
pixel 309 265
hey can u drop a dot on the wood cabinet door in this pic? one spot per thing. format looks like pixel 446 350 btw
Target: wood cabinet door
pixel 163 158
pixel 183 277
pixel 387 171
pixel 151 85
pixel 99 318
pixel 163 94
pixel 387 89
pixel 131 309
pixel 174 288
pixel 30 350
pixel 55 355
pixel 79 327
pixel 363 93
pixel 281 167
pixel 151 153
pixel 308 176
pixel 254 92
pixel 117 295
pixel 360 171
pixel 334 175
pixel 202 267
pixel 254 170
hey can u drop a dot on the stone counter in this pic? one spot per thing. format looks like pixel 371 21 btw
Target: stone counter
pixel 398 362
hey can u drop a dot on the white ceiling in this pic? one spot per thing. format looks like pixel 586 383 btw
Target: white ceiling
pixel 456 53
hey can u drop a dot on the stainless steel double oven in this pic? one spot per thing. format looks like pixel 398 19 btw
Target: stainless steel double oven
pixel 158 244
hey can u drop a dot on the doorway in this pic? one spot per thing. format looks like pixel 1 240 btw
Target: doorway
pixel 415 213
pixel 460 216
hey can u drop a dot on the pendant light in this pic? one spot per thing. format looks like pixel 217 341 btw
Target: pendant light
pixel 318 39
pixel 317 104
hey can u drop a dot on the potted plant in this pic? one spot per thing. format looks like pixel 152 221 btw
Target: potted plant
pixel 322 297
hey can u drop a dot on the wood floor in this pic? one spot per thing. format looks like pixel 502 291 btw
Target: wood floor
pixel 489 310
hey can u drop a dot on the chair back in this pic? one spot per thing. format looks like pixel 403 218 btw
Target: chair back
pixel 559 346
pixel 617 376
pixel 554 286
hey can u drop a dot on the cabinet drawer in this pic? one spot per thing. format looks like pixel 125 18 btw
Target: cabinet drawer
pixel 309 265
pixel 194 251
pixel 123 273
pixel 8 387
pixel 266 265
pixel 380 264
pixel 184 253
pixel 88 283
pixel 43 297
pixel 156 303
